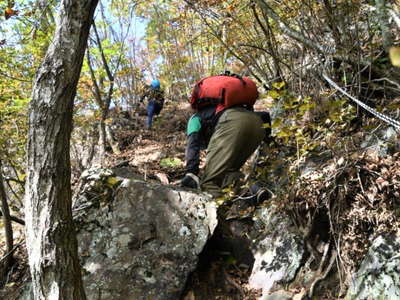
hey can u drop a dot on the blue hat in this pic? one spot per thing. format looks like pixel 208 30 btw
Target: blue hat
pixel 155 84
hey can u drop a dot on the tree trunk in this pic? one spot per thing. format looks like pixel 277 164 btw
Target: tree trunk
pixel 384 23
pixel 110 139
pixel 50 232
pixel 7 230
pixel 102 141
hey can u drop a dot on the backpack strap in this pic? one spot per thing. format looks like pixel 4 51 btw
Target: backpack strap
pixel 211 101
pixel 228 73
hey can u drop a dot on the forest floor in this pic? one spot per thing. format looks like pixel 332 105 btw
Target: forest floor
pixel 157 155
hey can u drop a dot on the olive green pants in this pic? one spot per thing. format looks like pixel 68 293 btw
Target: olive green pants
pixel 237 135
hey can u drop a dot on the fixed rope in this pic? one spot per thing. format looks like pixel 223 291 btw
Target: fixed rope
pixel 386 119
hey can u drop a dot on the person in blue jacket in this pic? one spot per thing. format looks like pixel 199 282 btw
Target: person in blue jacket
pixel 155 101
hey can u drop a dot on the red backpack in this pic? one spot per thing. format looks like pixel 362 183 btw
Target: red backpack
pixel 224 90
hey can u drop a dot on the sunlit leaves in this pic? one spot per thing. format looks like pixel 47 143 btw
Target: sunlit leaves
pixel 9 12
pixel 23 42
pixel 394 54
pixel 278 85
pixel 276 123
pixel 274 94
pixel 302 120
pixel 306 107
pixel 181 46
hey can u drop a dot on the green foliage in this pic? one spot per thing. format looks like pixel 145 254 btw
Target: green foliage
pixel 113 182
pixel 24 37
pixel 230 260
pixel 169 162
pixel 306 126
pixel 181 47
pixel 394 54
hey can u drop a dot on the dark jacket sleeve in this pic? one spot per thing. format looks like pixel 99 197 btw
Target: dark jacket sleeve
pixel 266 119
pixel 193 153
pixel 144 95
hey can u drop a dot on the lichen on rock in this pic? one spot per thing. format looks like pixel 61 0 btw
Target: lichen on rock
pixel 145 242
pixel 278 255
pixel 378 277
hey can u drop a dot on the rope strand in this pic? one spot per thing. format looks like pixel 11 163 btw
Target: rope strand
pixel 388 120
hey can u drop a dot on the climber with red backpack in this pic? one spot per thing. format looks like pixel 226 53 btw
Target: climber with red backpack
pixel 226 125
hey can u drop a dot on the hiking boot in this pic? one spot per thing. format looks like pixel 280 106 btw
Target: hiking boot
pixel 258 194
pixel 244 206
pixel 240 209
pixel 262 195
pixel 253 200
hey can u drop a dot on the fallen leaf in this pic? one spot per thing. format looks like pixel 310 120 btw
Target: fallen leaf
pixel 113 181
pixel 163 178
pixel 340 161
pixel 11 284
pixel 382 182
pixel 9 12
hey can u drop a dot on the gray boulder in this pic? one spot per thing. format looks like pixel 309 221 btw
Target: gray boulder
pixel 278 254
pixel 378 277
pixel 137 240
pixel 383 143
pixel 279 295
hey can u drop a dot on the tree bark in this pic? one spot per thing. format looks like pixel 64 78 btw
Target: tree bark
pixel 50 232
pixel 384 23
pixel 110 139
pixel 7 229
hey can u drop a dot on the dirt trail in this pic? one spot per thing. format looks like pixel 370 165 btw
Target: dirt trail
pixel 161 150
pixel 158 153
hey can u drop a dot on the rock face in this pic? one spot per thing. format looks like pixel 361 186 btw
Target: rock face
pixel 383 143
pixel 137 240
pixel 378 277
pixel 278 254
